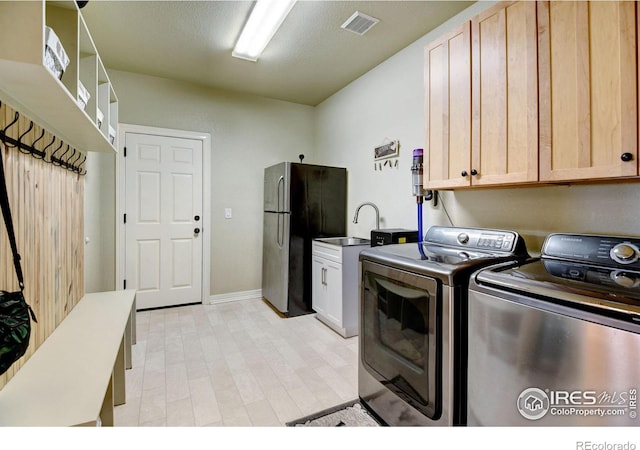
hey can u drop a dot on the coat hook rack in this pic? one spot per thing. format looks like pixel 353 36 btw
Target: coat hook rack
pixel 35 152
pixel 81 170
pixel 52 159
pixel 21 147
pixel 9 142
pixel 72 165
pixel 59 161
pixel 69 163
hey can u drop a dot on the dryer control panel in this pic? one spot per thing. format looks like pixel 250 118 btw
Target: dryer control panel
pixel 478 239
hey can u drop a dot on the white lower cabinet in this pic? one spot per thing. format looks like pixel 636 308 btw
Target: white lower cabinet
pixel 335 286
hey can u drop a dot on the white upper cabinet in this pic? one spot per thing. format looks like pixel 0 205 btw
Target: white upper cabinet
pixel 77 104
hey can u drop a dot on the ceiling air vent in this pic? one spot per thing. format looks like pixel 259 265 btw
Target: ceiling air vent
pixel 359 23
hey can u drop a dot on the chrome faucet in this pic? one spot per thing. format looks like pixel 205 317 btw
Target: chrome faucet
pixel 355 218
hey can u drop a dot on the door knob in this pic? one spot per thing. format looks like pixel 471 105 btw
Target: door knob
pixel 626 157
pixel 196 230
pixel 464 173
pixel 474 172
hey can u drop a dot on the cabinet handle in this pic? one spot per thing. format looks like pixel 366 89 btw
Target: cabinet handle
pixel 464 173
pixel 324 276
pixel 474 172
pixel 626 157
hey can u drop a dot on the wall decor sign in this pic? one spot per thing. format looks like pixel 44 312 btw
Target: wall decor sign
pixel 387 150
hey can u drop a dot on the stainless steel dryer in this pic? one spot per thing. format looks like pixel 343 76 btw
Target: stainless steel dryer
pixel 555 340
pixel 413 323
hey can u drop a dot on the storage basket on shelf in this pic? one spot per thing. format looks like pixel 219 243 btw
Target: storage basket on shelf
pixel 83 95
pixel 55 58
pixel 100 118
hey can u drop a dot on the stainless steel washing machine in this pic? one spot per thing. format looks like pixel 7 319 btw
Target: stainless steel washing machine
pixel 413 322
pixel 555 340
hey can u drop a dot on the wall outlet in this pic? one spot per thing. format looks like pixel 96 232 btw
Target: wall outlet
pixel 227 213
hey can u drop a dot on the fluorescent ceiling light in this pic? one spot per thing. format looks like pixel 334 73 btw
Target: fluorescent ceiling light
pixel 265 19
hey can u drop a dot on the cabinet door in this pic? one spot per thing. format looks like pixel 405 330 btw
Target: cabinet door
pixel 588 90
pixel 505 95
pixel 333 277
pixel 318 295
pixel 448 110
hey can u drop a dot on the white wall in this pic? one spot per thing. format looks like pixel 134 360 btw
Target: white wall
pixel 388 102
pixel 247 135
pixel 99 225
pixel 250 133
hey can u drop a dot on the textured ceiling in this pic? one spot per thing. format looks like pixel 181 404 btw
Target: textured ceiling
pixel 309 59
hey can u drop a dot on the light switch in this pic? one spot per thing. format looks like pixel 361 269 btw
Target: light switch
pixel 227 213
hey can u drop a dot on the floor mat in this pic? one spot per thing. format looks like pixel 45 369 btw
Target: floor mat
pixel 350 414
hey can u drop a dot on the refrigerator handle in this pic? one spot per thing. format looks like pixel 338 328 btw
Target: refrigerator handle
pixel 279 216
pixel 279 232
pixel 280 183
pixel 280 228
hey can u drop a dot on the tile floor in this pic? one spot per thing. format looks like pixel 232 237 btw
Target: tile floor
pixel 234 364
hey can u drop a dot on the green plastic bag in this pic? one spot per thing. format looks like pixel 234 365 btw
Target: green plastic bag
pixel 15 328
pixel 15 313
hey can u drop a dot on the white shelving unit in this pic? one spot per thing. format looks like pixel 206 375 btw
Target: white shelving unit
pixel 25 79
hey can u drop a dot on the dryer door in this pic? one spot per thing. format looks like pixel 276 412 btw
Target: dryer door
pixel 401 335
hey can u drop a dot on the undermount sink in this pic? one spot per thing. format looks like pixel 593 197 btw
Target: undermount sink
pixel 345 241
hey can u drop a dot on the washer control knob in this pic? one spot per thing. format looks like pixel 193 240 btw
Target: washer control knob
pixel 625 253
pixel 463 238
pixel 625 279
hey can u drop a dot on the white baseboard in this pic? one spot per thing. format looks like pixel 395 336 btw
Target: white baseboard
pixel 234 297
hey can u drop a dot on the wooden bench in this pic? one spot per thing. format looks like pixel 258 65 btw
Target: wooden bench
pixel 77 375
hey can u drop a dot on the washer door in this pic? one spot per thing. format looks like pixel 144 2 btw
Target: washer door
pixel 401 335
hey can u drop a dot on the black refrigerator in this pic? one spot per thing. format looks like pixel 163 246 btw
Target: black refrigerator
pixel 301 202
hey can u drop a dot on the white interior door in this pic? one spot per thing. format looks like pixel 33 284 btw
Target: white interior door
pixel 163 219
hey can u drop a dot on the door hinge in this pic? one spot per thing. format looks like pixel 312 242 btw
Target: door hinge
pixel 125 218
pixel 125 284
